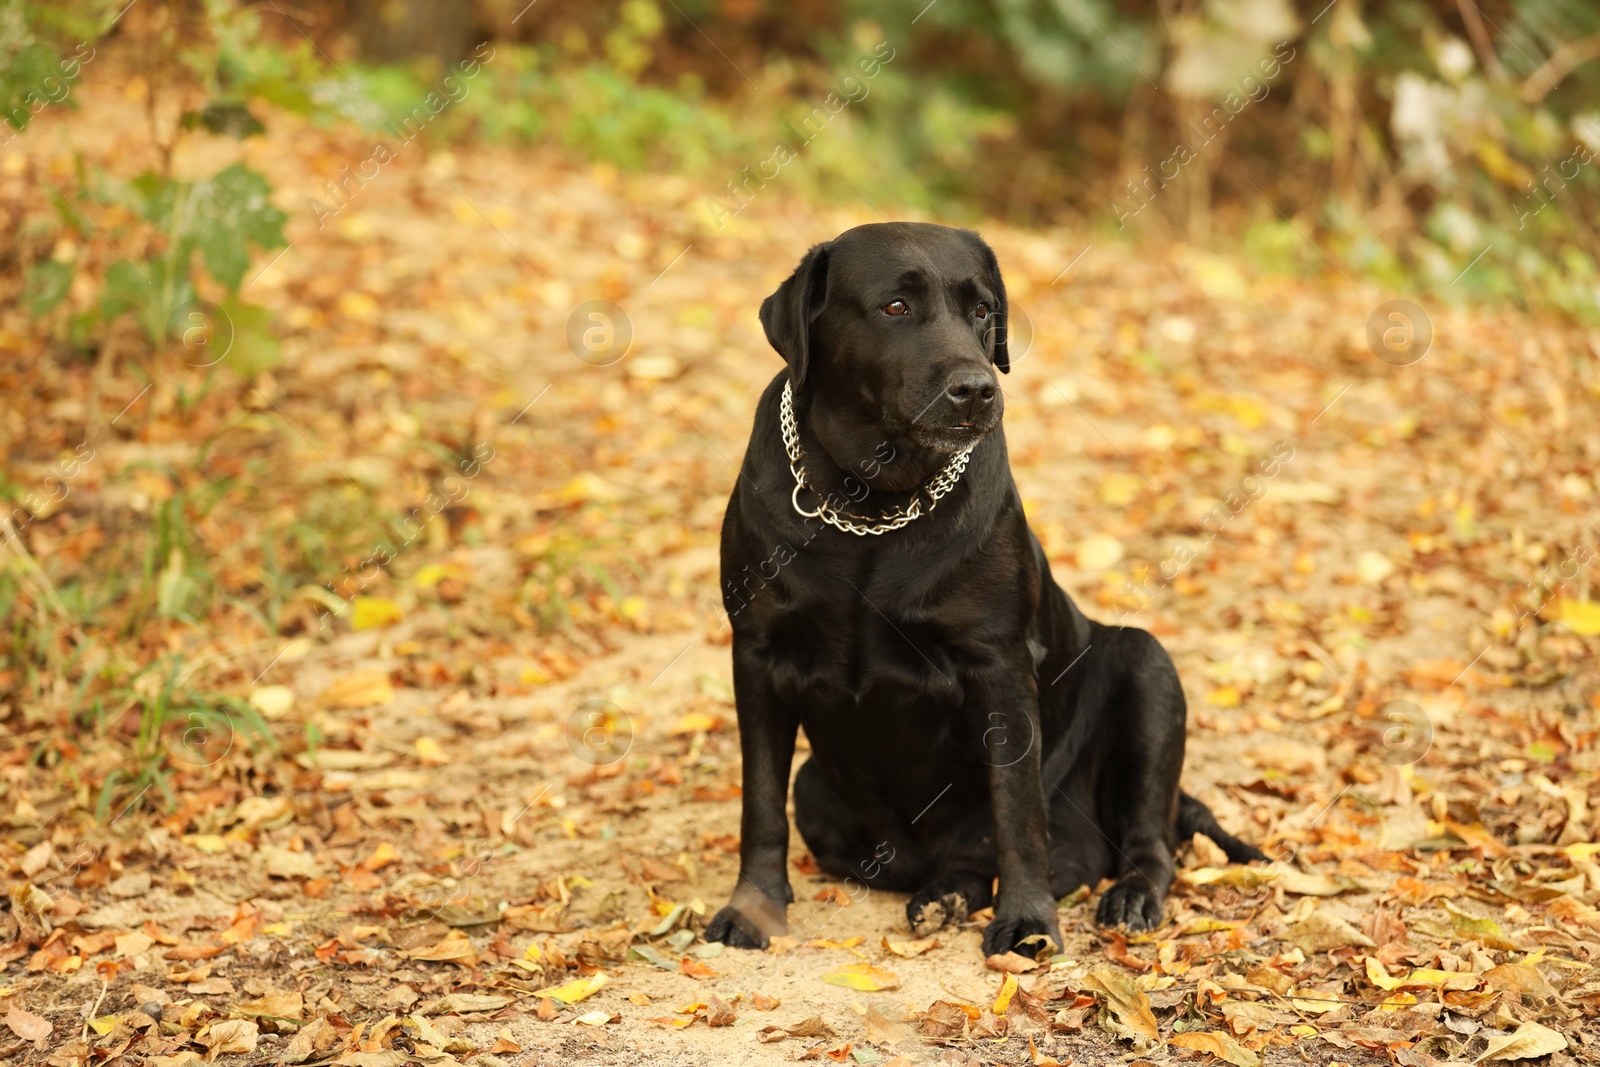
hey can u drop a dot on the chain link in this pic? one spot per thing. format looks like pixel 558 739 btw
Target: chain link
pixel 942 483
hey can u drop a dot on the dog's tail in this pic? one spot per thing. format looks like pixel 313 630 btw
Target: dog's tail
pixel 1195 818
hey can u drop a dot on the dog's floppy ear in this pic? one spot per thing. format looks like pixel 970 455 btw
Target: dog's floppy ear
pixel 787 314
pixel 1002 312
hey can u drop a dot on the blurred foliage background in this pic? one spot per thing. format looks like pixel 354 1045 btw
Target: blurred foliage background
pixel 1400 141
pixel 1403 137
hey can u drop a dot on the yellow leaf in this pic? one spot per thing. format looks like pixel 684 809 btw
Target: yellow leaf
pixel 823 942
pixel 862 976
pixel 1224 697
pixel 432 574
pixel 1583 850
pixel 1219 1045
pixel 1582 617
pixel 575 990
pixel 209 843
pixel 1008 989
pixel 371 612
pixel 1378 976
pixel 697 722
pixel 594 1018
pixel 105 1024
pixel 1397 1001
pixel 1485 930
pixel 428 751
pixel 587 487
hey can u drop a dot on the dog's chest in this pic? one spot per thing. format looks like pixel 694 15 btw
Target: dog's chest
pixel 853 659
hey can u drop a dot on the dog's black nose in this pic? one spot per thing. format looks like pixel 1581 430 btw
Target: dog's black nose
pixel 971 390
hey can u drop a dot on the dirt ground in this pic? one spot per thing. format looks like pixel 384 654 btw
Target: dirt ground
pixel 525 772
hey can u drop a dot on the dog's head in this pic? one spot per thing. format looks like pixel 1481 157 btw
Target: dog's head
pixel 892 333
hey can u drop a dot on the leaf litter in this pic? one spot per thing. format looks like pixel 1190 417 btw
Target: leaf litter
pixel 435 863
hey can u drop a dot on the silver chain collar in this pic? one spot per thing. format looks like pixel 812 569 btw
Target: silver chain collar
pixel 942 483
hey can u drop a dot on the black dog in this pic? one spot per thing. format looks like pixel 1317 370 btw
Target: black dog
pixel 965 719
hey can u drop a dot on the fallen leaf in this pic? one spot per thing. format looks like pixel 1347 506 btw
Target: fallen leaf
pixel 1129 1005
pixel 462 1003
pixel 1321 932
pixel 363 689
pixel 862 976
pixel 1218 1044
pixel 1485 930
pixel 575 990
pixel 230 1035
pixel 1011 963
pixel 1529 1040
pixel 275 1005
pixel 909 949
pixel 881 1030
pixel 1582 617
pixel 720 1012
pixel 809 1027
pixel 371 612
pixel 26 1025
pixel 455 948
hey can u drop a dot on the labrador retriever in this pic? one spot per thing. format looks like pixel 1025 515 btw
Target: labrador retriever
pixel 966 720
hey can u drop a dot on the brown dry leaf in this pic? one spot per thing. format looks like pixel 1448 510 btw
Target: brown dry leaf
pixel 946 1020
pixel 504 1042
pixel 372 1058
pixel 910 949
pixel 1522 978
pixel 454 948
pixel 1131 1015
pixel 695 969
pixel 1039 1059
pixel 463 1003
pixel 1245 1015
pixel 1117 952
pixel 1529 1041
pixel 1219 1045
pixel 720 1012
pixel 1322 931
pixel 881 1030
pixel 26 1025
pixel 361 689
pixel 275 1006
pixel 762 1002
pixel 813 1026
pixel 1010 962
pixel 230 1035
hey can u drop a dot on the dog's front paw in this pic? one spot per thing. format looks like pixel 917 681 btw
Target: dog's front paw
pixel 1023 933
pixel 733 928
pixel 1133 903
pixel 750 920
pixel 932 910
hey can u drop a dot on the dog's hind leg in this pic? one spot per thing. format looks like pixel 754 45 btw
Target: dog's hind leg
pixel 1138 786
pixel 845 846
pixel 962 878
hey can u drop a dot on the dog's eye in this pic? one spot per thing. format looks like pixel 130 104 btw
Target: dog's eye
pixel 896 307
pixel 983 311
